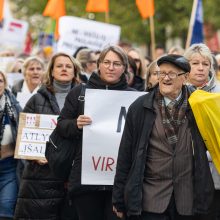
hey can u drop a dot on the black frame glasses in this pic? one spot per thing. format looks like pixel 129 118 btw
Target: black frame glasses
pixel 171 75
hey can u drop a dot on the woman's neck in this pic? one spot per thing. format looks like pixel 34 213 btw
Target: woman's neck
pixel 61 87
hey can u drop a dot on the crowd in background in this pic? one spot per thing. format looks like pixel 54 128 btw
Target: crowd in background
pixel 51 85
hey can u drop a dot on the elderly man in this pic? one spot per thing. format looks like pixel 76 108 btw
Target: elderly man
pixel 162 170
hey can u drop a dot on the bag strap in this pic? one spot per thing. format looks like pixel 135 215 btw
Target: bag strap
pixel 81 99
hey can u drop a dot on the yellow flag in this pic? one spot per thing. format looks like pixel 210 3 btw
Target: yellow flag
pixel 206 110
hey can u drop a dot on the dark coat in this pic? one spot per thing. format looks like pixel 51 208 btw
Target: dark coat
pixel 67 127
pixel 41 193
pixel 127 190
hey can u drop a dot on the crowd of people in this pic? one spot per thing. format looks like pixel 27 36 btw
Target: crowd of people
pixel 163 172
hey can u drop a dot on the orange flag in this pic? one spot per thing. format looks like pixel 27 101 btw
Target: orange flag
pixel 145 7
pixel 1 10
pixel 97 6
pixel 55 9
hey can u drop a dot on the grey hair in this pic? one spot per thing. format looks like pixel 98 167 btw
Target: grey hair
pixel 201 49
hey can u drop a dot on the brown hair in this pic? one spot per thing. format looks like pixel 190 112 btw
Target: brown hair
pixel 119 51
pixel 48 75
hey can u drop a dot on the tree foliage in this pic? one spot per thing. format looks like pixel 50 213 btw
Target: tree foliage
pixel 169 13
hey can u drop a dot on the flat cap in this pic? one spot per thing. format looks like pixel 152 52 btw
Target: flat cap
pixel 177 60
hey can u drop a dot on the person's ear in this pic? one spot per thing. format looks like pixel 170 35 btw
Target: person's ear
pixel 186 76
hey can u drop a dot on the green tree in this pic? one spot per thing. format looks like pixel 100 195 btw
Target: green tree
pixel 173 13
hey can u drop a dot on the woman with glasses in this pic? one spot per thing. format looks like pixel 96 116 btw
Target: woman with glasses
pixel 92 202
pixel 9 113
pixel 202 76
pixel 88 61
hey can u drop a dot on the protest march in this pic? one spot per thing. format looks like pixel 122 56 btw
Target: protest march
pixel 109 110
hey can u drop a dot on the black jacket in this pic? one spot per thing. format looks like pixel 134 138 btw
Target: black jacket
pixel 41 193
pixel 67 127
pixel 127 189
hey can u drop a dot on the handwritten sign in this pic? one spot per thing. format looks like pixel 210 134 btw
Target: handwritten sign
pixel 33 132
pixel 76 32
pixel 101 139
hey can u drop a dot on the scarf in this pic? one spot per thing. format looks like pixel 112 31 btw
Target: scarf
pixel 7 113
pixel 174 117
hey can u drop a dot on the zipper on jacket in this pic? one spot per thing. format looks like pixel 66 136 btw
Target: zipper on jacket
pixel 106 87
pixel 192 145
pixel 53 143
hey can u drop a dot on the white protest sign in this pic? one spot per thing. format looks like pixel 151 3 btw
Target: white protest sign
pixel 13 78
pixel 33 132
pixel 23 97
pixel 76 32
pixel 4 61
pixel 14 34
pixel 101 139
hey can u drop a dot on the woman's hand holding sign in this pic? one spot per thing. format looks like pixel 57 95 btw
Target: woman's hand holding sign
pixel 83 120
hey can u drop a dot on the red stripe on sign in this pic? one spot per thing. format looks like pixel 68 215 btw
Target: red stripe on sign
pixel 16 25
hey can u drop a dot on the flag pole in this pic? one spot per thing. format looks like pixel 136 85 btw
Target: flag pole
pixel 152 35
pixel 107 17
pixel 192 20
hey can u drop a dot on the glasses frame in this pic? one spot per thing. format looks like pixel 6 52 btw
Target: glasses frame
pixel 168 74
pixel 107 64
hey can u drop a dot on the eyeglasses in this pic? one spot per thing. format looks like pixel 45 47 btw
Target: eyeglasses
pixel 171 75
pixel 116 65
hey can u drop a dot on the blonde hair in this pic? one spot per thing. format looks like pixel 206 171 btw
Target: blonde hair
pixel 201 49
pixel 149 73
pixel 84 56
pixel 30 60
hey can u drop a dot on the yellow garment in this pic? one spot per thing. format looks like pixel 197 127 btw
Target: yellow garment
pixel 206 110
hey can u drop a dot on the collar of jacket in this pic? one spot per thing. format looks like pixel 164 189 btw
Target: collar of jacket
pixel 96 83
pixel 149 98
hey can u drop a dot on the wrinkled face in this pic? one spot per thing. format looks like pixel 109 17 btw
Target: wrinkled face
pixel 63 69
pixel 111 68
pixel 2 84
pixel 33 74
pixel 200 67
pixel 171 88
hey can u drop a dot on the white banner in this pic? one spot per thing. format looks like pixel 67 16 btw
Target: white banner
pixel 76 32
pixel 13 35
pixel 101 139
